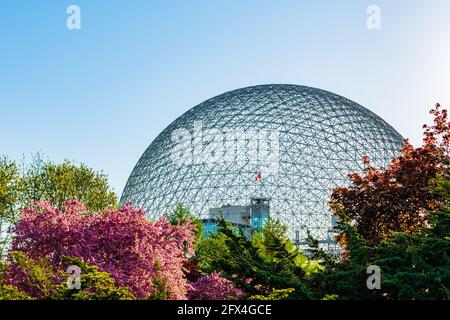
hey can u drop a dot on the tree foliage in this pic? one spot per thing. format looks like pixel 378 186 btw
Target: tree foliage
pixel 8 292
pixel 46 181
pixel 95 285
pixel 181 215
pixel 42 281
pixel 413 266
pixel 58 183
pixel 397 219
pixel 258 266
pixel 124 243
pixel 396 199
pixel 275 294
pixel 10 181
pixel 214 287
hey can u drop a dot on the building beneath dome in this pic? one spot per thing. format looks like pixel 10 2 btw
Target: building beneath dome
pixel 287 143
pixel 248 219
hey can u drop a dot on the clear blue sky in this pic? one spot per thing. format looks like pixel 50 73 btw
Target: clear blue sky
pixel 101 94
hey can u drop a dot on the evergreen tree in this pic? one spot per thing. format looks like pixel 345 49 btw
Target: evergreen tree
pixel 259 265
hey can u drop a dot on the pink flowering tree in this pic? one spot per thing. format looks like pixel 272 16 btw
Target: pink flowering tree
pixel 141 255
pixel 214 287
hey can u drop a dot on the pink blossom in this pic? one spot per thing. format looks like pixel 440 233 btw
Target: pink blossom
pixel 133 249
pixel 214 287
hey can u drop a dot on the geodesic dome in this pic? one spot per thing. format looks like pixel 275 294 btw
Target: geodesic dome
pixel 289 143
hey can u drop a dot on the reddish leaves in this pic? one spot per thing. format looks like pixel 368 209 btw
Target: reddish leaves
pixel 396 199
pixel 214 287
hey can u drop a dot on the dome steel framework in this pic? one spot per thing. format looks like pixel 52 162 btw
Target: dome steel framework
pixel 289 143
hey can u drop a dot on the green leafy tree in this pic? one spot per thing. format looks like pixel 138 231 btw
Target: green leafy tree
pixel 8 292
pixel 10 181
pixel 51 284
pixel 275 294
pixel 94 285
pixel 210 251
pixel 256 266
pixel 10 184
pixel 66 181
pixel 40 277
pixel 275 247
pixel 180 216
pixel 47 181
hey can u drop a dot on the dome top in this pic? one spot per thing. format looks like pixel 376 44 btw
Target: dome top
pixel 301 141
